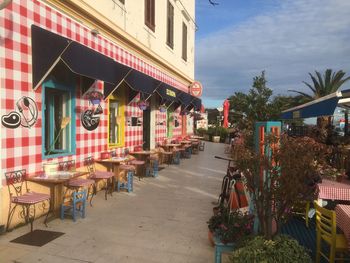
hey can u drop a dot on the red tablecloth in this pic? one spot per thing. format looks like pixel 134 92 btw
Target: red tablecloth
pixel 334 190
pixel 343 220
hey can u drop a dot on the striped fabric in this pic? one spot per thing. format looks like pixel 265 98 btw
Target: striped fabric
pixel 102 175
pixel 343 220
pixel 80 182
pixel 30 198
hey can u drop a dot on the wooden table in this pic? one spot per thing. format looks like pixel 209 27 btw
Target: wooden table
pixel 170 146
pixel 343 220
pixel 113 164
pixel 143 156
pixel 56 183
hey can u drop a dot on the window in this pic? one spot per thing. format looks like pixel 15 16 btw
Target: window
pixel 115 121
pixel 150 14
pixel 184 41
pixel 58 123
pixel 170 26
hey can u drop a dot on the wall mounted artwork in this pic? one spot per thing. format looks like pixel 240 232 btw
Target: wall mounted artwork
pixel 25 116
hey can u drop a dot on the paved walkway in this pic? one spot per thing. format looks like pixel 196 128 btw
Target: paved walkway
pixel 163 220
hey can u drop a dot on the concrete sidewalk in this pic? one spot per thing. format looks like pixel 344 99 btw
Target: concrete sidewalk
pixel 163 220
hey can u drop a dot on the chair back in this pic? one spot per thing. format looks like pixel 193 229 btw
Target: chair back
pixel 79 196
pixel 16 182
pixel 326 225
pixel 66 165
pixel 90 164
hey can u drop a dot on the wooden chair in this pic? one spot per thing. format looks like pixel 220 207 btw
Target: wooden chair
pixel 76 206
pixel 126 177
pixel 98 176
pixel 326 230
pixel 302 208
pixel 20 195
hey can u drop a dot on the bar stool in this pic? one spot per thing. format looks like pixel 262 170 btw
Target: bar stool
pixel 129 171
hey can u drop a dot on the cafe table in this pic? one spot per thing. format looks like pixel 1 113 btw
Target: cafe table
pixel 143 156
pixel 343 220
pixel 171 146
pixel 113 164
pixel 334 190
pixel 55 182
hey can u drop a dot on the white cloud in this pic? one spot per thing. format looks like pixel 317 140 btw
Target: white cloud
pixel 300 36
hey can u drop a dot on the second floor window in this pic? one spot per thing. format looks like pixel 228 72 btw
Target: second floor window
pixel 184 41
pixel 170 26
pixel 150 14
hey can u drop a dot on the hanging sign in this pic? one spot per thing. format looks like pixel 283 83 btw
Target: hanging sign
pixel 196 89
pixel 170 93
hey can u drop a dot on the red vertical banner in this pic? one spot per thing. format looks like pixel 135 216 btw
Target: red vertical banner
pixel 226 109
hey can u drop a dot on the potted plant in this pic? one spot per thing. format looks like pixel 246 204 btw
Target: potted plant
pixel 281 249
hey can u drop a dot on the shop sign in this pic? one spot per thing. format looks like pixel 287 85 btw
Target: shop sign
pixel 296 114
pixel 196 89
pixel 170 93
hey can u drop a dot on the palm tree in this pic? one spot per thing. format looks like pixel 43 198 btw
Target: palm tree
pixel 321 86
pixel 325 85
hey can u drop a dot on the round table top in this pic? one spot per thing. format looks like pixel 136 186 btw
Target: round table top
pixel 173 145
pixel 193 140
pixel 126 167
pixel 185 142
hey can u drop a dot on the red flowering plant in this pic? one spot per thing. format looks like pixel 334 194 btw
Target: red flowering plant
pixel 231 226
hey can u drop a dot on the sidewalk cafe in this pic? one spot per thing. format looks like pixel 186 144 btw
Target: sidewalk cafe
pixel 71 100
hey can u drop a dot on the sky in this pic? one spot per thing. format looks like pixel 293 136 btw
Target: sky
pixel 238 39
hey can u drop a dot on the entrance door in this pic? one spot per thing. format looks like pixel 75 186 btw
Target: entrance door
pixel 146 128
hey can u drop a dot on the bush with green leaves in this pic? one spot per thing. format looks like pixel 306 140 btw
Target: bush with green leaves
pixel 282 249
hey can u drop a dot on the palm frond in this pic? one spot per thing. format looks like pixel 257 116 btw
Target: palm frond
pixel 302 93
pixel 310 87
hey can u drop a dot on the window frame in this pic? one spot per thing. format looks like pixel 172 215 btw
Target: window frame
pixel 184 41
pixel 72 140
pixel 170 25
pixel 121 110
pixel 150 14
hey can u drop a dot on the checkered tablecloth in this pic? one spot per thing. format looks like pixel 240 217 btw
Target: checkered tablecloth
pixel 343 220
pixel 334 190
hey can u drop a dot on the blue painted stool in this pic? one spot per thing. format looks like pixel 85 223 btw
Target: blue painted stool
pixel 188 153
pixel 76 206
pixel 129 184
pixel 221 247
pixel 176 159
pixel 154 167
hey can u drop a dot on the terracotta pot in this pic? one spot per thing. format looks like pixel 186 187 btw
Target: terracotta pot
pixel 211 238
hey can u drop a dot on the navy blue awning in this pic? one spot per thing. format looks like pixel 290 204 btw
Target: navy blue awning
pixel 324 106
pixel 49 48
pixel 141 82
pixel 197 103
pixel 185 100
pixel 168 93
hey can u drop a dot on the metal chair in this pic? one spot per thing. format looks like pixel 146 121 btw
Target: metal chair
pixel 326 230
pixel 98 176
pixel 20 195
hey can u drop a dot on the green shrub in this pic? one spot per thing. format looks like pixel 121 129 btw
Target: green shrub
pixel 201 131
pixel 282 249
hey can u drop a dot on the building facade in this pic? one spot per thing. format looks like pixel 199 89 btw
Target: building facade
pixel 82 77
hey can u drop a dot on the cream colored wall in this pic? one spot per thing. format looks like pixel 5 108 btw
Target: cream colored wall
pixel 130 18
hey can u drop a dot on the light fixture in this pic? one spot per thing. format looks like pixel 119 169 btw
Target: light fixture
pixel 95 32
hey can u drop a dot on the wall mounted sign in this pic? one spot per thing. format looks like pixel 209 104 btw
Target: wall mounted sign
pixel 90 119
pixel 196 89
pixel 170 93
pixel 26 116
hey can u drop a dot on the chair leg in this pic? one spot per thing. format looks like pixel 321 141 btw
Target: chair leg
pixel 318 247
pixel 10 215
pixel 47 214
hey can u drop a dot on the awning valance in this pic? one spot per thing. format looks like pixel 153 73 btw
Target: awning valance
pixel 168 93
pixel 197 103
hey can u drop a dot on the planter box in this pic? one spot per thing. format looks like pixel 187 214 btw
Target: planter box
pixel 216 138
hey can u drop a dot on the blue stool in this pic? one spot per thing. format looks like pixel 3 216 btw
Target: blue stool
pixel 129 184
pixel 221 247
pixel 176 159
pixel 188 153
pixel 154 167
pixel 75 206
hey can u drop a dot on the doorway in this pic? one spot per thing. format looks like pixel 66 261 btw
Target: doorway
pixel 146 128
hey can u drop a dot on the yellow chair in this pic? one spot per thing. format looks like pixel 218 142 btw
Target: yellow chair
pixel 302 208
pixel 326 230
